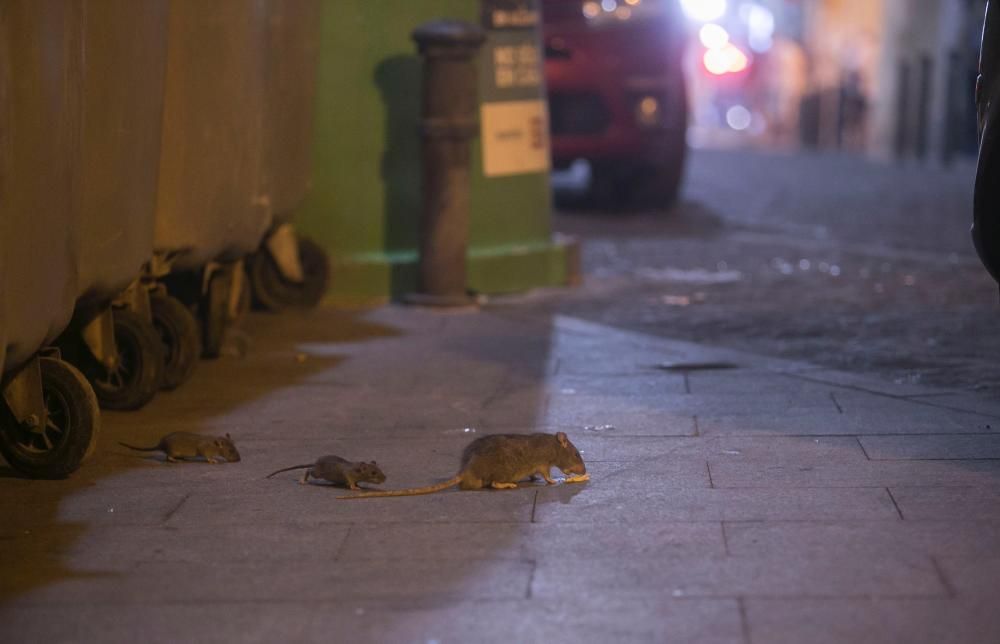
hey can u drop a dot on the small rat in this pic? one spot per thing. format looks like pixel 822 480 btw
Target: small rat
pixel 185 445
pixel 338 471
pixel 500 461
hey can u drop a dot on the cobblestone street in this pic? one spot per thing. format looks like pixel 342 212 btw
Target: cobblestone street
pixel 832 259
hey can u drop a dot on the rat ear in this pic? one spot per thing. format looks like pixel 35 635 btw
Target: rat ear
pixel 228 438
pixel 563 439
pixel 220 443
pixel 373 462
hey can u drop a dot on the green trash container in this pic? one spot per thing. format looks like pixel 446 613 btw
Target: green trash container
pixel 289 270
pixel 364 207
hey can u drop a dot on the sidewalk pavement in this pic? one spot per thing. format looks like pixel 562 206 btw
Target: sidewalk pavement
pixel 768 502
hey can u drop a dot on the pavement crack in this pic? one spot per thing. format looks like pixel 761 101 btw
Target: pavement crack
pixel 343 543
pixel 534 505
pixel 836 403
pixel 895 504
pixel 708 468
pixel 697 428
pixel 862 446
pixel 949 589
pixel 529 591
pixel 172 511
pixel 687 383
pixel 744 621
pixel 725 538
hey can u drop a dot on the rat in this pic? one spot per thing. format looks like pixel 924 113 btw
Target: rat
pixel 185 445
pixel 500 461
pixel 338 471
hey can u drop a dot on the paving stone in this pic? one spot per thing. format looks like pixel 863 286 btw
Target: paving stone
pixel 626 416
pixel 872 621
pixel 749 473
pixel 282 581
pixel 866 539
pixel 829 576
pixel 749 382
pixel 710 621
pixel 539 542
pixel 609 504
pixel 770 449
pixel 93 507
pixel 972 576
pixel 657 384
pixel 952 503
pixel 961 446
pixel 166 623
pixel 276 504
pixel 965 402
pixel 294 541
pixel 867 383
pixel 867 409
pixel 892 417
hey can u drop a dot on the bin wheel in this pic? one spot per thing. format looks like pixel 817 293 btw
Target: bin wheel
pixel 215 315
pixel 69 436
pixel 179 334
pixel 272 292
pixel 137 377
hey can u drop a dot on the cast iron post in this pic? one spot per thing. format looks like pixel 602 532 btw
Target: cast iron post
pixel 449 122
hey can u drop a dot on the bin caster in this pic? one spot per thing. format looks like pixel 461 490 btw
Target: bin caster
pixel 181 339
pixel 49 419
pixel 275 288
pixel 215 312
pixel 129 379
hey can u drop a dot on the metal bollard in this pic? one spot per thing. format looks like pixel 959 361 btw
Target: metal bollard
pixel 449 122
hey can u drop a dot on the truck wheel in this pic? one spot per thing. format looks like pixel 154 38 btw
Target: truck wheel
pixel 56 450
pixel 661 184
pixel 178 331
pixel 136 378
pixel 272 292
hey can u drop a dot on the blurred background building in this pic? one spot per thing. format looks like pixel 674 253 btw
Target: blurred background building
pixel 892 79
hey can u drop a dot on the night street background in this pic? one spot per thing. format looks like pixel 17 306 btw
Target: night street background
pixel 846 262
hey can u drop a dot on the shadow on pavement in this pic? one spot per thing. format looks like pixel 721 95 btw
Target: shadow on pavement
pixel 40 533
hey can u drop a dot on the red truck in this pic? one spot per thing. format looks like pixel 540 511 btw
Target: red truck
pixel 617 95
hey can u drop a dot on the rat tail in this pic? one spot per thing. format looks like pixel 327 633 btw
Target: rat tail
pixel 411 491
pixel 140 449
pixel 287 469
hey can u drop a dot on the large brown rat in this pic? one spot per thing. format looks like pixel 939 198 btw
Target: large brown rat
pixel 185 445
pixel 500 461
pixel 338 471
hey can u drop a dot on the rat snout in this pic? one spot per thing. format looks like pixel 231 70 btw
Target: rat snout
pixel 579 469
pixel 233 457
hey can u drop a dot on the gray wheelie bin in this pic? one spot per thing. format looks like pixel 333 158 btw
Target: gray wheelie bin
pixel 113 339
pixel 49 416
pixel 213 207
pixel 288 270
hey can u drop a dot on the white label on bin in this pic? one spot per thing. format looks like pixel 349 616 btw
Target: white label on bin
pixel 515 137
